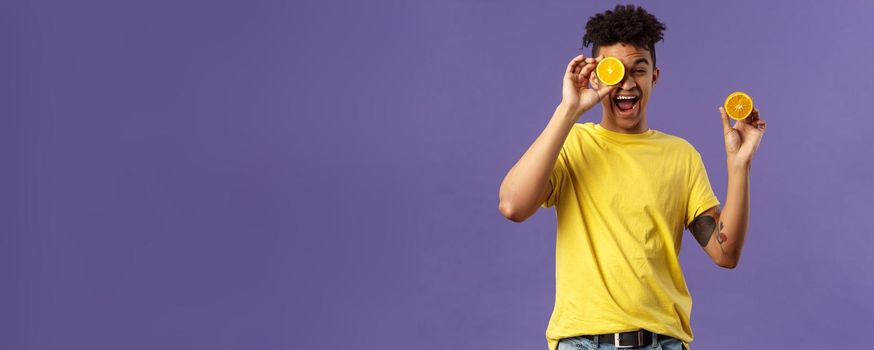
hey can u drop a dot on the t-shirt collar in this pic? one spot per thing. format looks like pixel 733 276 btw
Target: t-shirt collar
pixel 618 135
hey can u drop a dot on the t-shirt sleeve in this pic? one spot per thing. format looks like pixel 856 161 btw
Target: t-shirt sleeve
pixel 558 176
pixel 701 196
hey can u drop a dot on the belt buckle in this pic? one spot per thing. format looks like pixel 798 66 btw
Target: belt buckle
pixel 617 339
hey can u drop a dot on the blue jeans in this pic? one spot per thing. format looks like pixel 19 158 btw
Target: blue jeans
pixel 583 343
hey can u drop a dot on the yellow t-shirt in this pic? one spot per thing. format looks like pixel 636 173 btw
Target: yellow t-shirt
pixel 622 202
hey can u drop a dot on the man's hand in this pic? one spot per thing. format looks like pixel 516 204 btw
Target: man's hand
pixel 742 140
pixel 577 96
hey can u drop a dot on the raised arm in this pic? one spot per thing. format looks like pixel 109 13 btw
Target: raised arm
pixel 722 233
pixel 526 185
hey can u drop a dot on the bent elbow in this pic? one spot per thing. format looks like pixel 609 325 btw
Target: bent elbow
pixel 729 264
pixel 510 212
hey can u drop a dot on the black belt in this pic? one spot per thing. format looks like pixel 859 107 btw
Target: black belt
pixel 627 339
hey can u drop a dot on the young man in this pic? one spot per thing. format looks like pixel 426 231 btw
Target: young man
pixel 623 193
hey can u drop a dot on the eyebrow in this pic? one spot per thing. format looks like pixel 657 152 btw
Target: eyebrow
pixel 641 60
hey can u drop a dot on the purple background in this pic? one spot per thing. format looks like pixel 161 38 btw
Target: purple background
pixel 314 174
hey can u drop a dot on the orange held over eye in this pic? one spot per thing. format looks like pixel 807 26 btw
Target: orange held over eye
pixel 738 105
pixel 610 71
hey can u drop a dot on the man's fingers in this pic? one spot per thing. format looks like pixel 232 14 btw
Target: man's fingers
pixel 726 126
pixel 587 69
pixel 760 124
pixel 754 116
pixel 605 91
pixel 573 64
pixel 751 121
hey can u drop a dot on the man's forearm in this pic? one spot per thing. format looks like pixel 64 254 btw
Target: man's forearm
pixel 735 217
pixel 525 182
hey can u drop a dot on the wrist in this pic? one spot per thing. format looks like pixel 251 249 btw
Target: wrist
pixel 568 111
pixel 738 164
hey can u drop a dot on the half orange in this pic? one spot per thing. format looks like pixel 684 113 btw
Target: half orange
pixel 610 71
pixel 738 105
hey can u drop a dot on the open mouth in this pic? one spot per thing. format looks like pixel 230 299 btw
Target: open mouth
pixel 626 104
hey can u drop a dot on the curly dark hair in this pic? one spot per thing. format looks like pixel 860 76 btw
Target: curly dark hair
pixel 627 24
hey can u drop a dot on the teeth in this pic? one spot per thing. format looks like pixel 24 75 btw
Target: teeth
pixel 626 97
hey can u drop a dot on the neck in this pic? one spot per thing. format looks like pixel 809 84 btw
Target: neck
pixel 624 127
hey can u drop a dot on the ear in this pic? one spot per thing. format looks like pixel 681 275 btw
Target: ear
pixel 655 76
pixel 593 79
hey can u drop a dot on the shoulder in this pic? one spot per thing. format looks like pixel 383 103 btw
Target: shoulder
pixel 674 140
pixel 677 144
pixel 587 127
pixel 579 131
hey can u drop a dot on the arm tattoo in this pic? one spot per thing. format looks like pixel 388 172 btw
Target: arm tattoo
pixel 722 237
pixel 703 228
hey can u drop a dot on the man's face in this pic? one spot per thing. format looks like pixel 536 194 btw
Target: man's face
pixel 640 77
